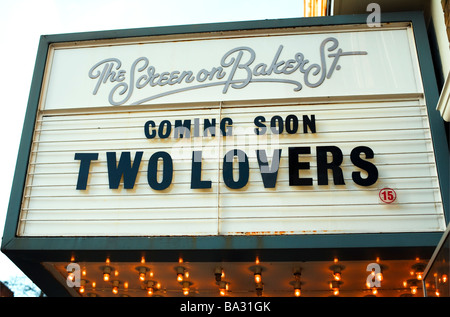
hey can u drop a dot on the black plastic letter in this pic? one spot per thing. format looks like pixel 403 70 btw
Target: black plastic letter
pixel 152 172
pixel 370 168
pixel 228 169
pixel 196 173
pixel 85 164
pixel 323 165
pixel 269 175
pixel 295 166
pixel 124 168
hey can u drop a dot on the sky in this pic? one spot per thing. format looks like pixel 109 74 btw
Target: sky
pixel 23 21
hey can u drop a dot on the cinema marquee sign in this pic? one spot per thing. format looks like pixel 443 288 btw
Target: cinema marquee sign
pixel 233 133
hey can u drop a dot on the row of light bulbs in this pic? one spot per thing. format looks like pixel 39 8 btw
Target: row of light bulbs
pixel 182 276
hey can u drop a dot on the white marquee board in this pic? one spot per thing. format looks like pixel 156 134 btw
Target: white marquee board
pixel 357 93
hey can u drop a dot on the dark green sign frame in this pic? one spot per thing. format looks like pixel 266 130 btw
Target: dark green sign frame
pixel 29 252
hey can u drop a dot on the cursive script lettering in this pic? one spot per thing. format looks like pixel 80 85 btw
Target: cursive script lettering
pixel 236 71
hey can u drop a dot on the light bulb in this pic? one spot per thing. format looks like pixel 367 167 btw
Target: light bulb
pixel 413 290
pixel 337 276
pixel 223 287
pixel 186 288
pixel 115 288
pixel 150 291
pixel 297 288
pixel 142 277
pixel 334 285
pixel 257 274
pixel 444 278
pixel 106 273
pixel 380 276
pixel 180 273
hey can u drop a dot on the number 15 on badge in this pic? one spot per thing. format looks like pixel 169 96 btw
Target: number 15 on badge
pixel 387 195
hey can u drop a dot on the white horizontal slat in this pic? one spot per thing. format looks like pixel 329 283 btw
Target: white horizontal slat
pixel 330 225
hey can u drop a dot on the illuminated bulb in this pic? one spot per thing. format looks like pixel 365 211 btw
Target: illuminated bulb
pixel 180 273
pixel 337 269
pixel 405 284
pixel 94 284
pixel 413 290
pixel 337 276
pixel 152 287
pixel 437 293
pixel 374 291
pixel 297 289
pixel 334 285
pixel 419 275
pixel 258 277
pixel 223 287
pixel 380 276
pixel 71 277
pixel 115 288
pixel 82 286
pixel 106 273
pixel 185 288
pixel 125 285
pixel 142 276
pixel 444 278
